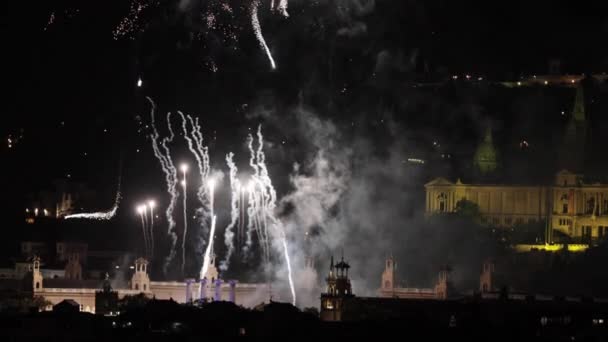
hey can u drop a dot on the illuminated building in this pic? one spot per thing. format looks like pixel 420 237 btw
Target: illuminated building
pixel 486 159
pixel 86 292
pixel 338 290
pixel 390 289
pixel 570 205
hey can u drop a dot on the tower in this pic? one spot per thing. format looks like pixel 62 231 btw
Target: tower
pixel 106 300
pixel 140 280
pixel 36 275
pixel 73 269
pixel 442 288
pixel 388 275
pixel 338 289
pixel 572 154
pixel 485 279
pixel 486 158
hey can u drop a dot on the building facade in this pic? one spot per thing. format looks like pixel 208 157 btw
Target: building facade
pixel 390 289
pixel 84 292
pixel 570 206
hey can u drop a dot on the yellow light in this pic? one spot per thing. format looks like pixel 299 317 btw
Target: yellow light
pixel 518 83
pixel 546 82
pixel 151 203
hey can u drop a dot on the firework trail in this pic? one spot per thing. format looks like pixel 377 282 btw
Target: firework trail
pixel 184 169
pixel 151 205
pixel 262 205
pixel 257 29
pixel 209 249
pixel 102 215
pixel 164 157
pixel 142 211
pixel 201 154
pixel 235 186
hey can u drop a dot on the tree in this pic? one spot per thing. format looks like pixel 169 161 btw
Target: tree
pixel 133 301
pixel 468 209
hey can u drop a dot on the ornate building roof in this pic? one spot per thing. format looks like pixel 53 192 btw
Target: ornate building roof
pixel 486 156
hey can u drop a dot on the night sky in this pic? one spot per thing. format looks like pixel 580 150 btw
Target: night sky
pixel 72 108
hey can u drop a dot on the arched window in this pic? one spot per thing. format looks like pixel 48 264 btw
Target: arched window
pixel 137 286
pixel 485 287
pixel 144 287
pixel 37 285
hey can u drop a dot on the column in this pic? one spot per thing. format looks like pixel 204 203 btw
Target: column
pixel 189 290
pixel 218 290
pixel 232 291
pixel 203 290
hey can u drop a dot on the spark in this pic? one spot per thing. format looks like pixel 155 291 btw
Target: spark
pixel 130 23
pixel 50 21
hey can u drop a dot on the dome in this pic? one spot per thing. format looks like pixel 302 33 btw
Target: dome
pixel 485 159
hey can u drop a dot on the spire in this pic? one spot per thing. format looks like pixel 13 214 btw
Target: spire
pixel 578 111
pixel 488 137
pixel 331 265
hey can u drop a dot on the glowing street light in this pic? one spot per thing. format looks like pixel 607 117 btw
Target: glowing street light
pixel 151 204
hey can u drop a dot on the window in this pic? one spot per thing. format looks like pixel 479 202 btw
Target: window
pixel 496 221
pixel 144 287
pixel 442 202
pixel 564 208
pixel 590 206
pixel 600 232
pixel 586 232
pixel 532 220
pixel 519 220
pixel 508 220
pixel 37 285
pixel 137 286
